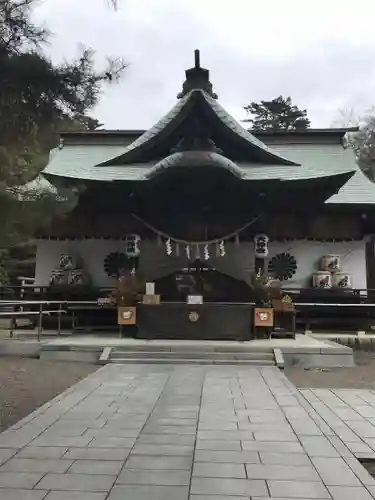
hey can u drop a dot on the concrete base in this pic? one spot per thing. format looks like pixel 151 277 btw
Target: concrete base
pixel 71 352
pixel 304 350
pixel 29 349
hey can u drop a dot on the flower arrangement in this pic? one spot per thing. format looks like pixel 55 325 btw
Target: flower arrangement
pixel 259 284
pixel 127 290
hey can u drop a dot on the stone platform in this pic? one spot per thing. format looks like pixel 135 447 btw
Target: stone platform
pixel 136 432
pixel 304 350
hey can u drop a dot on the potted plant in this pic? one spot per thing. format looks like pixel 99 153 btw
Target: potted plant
pixel 125 296
pixel 263 312
pixel 259 284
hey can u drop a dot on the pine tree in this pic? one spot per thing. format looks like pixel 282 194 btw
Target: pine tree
pixel 278 114
pixel 37 99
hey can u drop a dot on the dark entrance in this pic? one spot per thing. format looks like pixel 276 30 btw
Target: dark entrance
pixel 201 279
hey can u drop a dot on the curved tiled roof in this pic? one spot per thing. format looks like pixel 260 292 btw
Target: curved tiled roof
pixel 133 152
pixel 153 132
pixel 79 161
pixel 196 159
pixel 244 134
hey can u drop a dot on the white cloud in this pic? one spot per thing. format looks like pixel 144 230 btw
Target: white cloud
pixel 320 53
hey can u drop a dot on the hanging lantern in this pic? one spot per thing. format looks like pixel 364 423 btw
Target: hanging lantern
pixel 132 245
pixel 206 252
pixel 168 247
pixel 221 249
pixel 261 246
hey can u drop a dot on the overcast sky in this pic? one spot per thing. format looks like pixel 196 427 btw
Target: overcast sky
pixel 321 52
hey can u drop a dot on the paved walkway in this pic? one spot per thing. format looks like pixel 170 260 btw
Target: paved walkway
pixel 142 432
pixel 350 413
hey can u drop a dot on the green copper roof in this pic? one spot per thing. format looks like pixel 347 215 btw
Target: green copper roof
pixel 78 161
pixel 149 136
pixel 185 106
pixel 207 159
pixel 358 190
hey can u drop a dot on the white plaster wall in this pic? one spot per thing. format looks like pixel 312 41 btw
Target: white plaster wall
pixel 92 252
pixel 238 262
pixel 154 262
pixel 308 253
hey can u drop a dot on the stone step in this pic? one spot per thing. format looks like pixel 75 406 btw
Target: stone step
pixel 190 346
pixel 119 353
pixel 194 361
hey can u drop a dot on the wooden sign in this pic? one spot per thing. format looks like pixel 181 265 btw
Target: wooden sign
pixel 126 315
pixel 194 299
pixel 263 316
pixel 151 300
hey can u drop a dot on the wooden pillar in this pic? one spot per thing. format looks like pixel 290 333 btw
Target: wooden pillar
pixel 260 263
pixel 370 263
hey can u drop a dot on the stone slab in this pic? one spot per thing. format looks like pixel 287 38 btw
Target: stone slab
pixel 76 482
pixel 166 432
pixel 143 492
pixel 214 469
pixel 15 494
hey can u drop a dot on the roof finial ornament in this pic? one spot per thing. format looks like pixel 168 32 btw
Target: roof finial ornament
pixel 197 78
pixel 197 59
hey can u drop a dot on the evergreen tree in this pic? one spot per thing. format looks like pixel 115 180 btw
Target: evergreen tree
pixel 37 100
pixel 278 114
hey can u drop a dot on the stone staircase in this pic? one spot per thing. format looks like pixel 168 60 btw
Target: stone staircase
pixel 188 355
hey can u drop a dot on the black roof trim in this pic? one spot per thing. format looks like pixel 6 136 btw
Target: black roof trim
pixel 101 132
pixel 123 132
pixel 310 131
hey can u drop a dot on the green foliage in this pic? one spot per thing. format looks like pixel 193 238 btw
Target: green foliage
pixel 127 290
pixel 278 114
pixel 37 100
pixel 259 286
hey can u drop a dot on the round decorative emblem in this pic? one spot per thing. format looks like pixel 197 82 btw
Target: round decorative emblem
pixel 115 262
pixel 283 266
pixel 126 315
pixel 263 316
pixel 193 316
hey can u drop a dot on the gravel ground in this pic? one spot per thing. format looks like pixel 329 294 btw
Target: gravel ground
pixel 361 376
pixel 26 384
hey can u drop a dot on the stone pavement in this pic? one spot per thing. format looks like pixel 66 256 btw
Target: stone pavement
pixel 350 413
pixel 163 432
